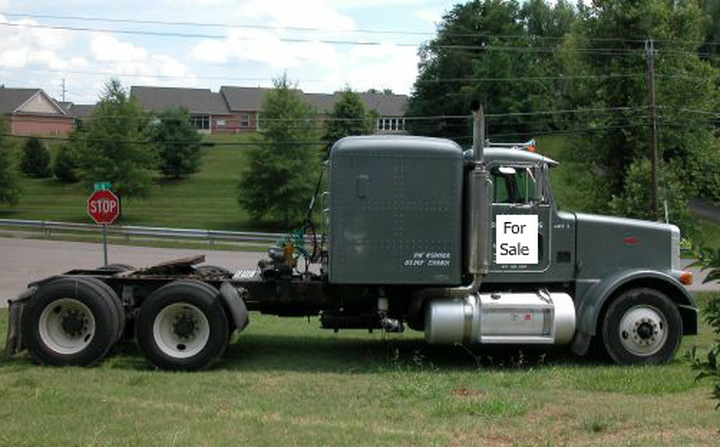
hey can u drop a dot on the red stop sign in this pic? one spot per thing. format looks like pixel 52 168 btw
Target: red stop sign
pixel 103 207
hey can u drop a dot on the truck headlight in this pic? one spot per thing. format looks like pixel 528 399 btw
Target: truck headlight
pixel 674 247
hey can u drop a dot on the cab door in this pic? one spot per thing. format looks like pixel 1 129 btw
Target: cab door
pixel 521 219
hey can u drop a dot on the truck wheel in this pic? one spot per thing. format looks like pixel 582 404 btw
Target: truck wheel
pixel 642 326
pixel 69 321
pixel 182 326
pixel 117 306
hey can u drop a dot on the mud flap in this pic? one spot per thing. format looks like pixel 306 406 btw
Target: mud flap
pixel 581 344
pixel 14 341
pixel 236 306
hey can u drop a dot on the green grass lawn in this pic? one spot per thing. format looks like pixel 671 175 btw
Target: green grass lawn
pixel 285 382
pixel 207 200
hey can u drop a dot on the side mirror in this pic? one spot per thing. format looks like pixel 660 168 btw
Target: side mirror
pixel 542 186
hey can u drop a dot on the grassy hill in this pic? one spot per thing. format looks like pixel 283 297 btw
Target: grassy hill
pixel 208 199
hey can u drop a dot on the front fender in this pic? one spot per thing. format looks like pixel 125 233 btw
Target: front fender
pixel 590 303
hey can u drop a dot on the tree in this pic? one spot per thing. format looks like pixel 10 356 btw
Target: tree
pixel 635 196
pixel 66 164
pixel 282 167
pixel 347 118
pixel 711 48
pixel 9 185
pixel 470 58
pixel 178 144
pixel 607 48
pixel 113 144
pixel 35 161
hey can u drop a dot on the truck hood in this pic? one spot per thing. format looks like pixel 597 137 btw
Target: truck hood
pixel 607 244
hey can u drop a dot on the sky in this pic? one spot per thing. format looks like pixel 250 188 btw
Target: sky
pixel 251 47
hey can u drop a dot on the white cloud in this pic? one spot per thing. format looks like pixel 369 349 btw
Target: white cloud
pixel 107 48
pixel 266 47
pixel 306 14
pixel 430 15
pixel 24 46
pixel 252 53
pixel 361 67
pixel 364 4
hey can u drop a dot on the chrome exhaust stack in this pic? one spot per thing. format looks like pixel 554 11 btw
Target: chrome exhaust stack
pixel 477 242
pixel 480 186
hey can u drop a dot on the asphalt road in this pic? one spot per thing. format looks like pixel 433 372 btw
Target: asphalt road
pixel 24 260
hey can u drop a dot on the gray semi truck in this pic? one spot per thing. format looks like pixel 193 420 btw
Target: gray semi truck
pixel 467 246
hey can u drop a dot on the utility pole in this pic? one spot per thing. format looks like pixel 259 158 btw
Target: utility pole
pixel 650 57
pixel 63 90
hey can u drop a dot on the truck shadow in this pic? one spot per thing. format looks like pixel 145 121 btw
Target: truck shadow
pixel 272 353
pixel 352 355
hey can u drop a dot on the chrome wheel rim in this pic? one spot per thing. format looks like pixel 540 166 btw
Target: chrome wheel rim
pixel 643 330
pixel 66 326
pixel 181 330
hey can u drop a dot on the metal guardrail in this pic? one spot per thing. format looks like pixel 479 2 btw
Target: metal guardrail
pixel 212 236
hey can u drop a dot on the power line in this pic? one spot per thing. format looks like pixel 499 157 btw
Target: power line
pixel 222 25
pixel 570 131
pixel 531 49
pixel 317 143
pixel 321 117
pixel 196 35
pixel 337 30
pixel 421 81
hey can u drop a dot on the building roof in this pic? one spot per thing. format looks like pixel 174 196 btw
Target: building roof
pixel 196 100
pixel 13 99
pixel 243 98
pixel 80 110
pixel 323 102
pixel 251 99
pixel 386 104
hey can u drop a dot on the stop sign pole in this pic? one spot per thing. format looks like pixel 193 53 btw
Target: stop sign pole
pixel 103 206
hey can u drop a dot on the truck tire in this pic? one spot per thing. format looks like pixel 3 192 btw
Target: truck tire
pixel 182 326
pixel 69 321
pixel 114 299
pixel 642 326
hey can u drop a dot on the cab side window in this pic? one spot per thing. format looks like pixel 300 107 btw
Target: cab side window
pixel 515 184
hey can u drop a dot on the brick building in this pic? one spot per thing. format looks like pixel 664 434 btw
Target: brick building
pixel 237 109
pixel 30 111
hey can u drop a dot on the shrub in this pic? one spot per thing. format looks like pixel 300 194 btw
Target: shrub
pixel 66 163
pixel 36 159
pixel 178 144
pixel 709 366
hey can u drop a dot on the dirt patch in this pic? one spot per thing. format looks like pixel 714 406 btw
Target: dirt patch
pixel 467 393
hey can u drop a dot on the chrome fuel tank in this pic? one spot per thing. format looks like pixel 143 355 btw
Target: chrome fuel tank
pixel 539 318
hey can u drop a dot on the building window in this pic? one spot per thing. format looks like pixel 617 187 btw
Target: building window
pixel 220 123
pixel 201 122
pixel 245 120
pixel 391 124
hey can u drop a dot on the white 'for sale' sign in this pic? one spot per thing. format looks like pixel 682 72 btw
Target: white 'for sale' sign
pixel 516 239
